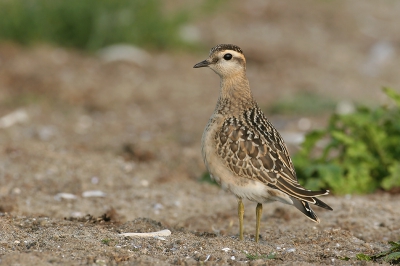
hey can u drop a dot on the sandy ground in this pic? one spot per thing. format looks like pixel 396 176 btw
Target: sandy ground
pixel 130 131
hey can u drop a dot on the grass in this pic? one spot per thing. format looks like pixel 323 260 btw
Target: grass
pixel 93 24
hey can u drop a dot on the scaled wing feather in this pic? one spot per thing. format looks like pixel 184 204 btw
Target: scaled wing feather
pixel 251 147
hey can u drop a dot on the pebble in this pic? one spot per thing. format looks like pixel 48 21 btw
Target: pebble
pixel 16 191
pixel 144 183
pixel 95 180
pixel 45 133
pixel 18 116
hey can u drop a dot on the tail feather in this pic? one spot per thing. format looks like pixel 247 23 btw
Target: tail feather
pixel 322 204
pixel 304 207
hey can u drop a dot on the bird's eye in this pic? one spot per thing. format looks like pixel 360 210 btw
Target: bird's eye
pixel 227 56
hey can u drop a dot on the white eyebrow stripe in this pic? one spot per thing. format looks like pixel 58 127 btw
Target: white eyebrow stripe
pixel 234 53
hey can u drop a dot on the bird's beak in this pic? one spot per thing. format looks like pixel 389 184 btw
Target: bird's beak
pixel 202 64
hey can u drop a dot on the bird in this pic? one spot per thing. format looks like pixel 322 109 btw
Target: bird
pixel 242 151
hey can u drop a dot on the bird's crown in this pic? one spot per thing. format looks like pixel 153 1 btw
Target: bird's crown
pixel 223 47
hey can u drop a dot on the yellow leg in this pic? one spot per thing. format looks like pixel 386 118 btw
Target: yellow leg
pixel 240 213
pixel 258 219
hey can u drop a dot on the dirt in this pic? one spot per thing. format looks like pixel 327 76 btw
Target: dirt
pixel 131 133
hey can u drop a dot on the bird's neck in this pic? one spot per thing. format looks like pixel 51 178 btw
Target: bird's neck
pixel 235 94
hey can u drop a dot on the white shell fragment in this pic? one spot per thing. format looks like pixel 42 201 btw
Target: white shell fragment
pixel 65 196
pixel 93 194
pixel 226 249
pixel 164 232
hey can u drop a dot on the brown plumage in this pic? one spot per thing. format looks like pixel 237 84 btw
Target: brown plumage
pixel 242 150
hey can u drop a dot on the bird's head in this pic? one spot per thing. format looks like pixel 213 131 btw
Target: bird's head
pixel 227 60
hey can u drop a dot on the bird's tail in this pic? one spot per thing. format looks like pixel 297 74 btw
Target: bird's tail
pixel 305 208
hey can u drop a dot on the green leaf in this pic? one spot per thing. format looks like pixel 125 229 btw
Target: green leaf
pixel 395 245
pixel 332 175
pixel 363 257
pixel 206 178
pixel 392 257
pixel 393 180
pixel 392 94
pixel 342 137
pixel 311 139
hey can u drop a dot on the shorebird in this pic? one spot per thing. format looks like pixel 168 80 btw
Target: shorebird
pixel 242 150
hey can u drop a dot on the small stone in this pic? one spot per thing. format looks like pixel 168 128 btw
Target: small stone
pixel 16 191
pixel 95 180
pixel 144 183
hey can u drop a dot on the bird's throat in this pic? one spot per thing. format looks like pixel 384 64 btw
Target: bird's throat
pixel 235 88
pixel 235 93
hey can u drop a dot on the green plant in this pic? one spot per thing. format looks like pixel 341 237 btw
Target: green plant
pixel 391 256
pixel 362 151
pixel 362 256
pixel 206 178
pixel 92 24
pixel 106 241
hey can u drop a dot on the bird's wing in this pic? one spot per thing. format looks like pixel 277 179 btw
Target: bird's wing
pixel 251 147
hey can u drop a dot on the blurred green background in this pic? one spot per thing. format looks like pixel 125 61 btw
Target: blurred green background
pixel 93 24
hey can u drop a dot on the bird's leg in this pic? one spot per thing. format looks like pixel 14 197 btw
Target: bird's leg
pixel 258 219
pixel 240 213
